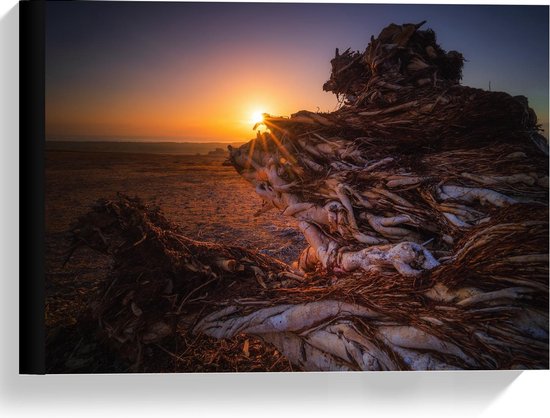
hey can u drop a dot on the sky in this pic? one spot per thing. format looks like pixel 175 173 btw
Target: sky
pixel 197 72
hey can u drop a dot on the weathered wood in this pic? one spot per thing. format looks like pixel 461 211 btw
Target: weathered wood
pixel 425 205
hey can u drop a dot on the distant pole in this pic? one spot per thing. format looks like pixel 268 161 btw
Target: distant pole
pixel 489 86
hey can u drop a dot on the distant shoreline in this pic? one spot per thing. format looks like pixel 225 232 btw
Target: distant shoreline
pixel 180 148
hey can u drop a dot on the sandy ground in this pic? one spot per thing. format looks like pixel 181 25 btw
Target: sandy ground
pixel 209 201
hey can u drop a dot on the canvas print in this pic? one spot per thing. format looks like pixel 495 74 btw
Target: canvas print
pixel 295 187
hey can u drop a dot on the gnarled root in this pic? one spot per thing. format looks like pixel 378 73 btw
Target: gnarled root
pixel 166 285
pixel 408 258
pixel 428 200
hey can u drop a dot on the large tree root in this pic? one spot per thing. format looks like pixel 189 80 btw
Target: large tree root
pixel 164 284
pixel 424 204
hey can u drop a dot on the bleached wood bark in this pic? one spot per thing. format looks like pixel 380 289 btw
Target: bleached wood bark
pixel 425 208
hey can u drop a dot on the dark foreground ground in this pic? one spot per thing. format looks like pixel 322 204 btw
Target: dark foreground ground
pixel 207 200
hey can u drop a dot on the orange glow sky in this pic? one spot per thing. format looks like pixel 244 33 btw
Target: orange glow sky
pixel 197 72
pixel 213 98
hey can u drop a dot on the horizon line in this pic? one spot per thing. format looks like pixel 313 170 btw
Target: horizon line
pixel 145 141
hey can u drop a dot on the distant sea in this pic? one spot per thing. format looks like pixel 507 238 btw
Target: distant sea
pixel 182 148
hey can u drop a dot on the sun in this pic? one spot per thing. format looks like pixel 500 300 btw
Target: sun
pixel 257 117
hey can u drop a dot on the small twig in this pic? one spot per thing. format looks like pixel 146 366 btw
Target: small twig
pixel 192 292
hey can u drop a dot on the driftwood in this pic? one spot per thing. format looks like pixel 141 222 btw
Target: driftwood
pixel 425 207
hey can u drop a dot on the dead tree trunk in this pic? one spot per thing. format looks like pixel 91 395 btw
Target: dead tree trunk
pixel 425 206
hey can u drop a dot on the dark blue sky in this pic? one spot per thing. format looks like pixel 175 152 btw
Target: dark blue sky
pixel 110 65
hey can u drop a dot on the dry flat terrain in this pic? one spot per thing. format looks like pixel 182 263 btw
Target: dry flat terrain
pixel 207 200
